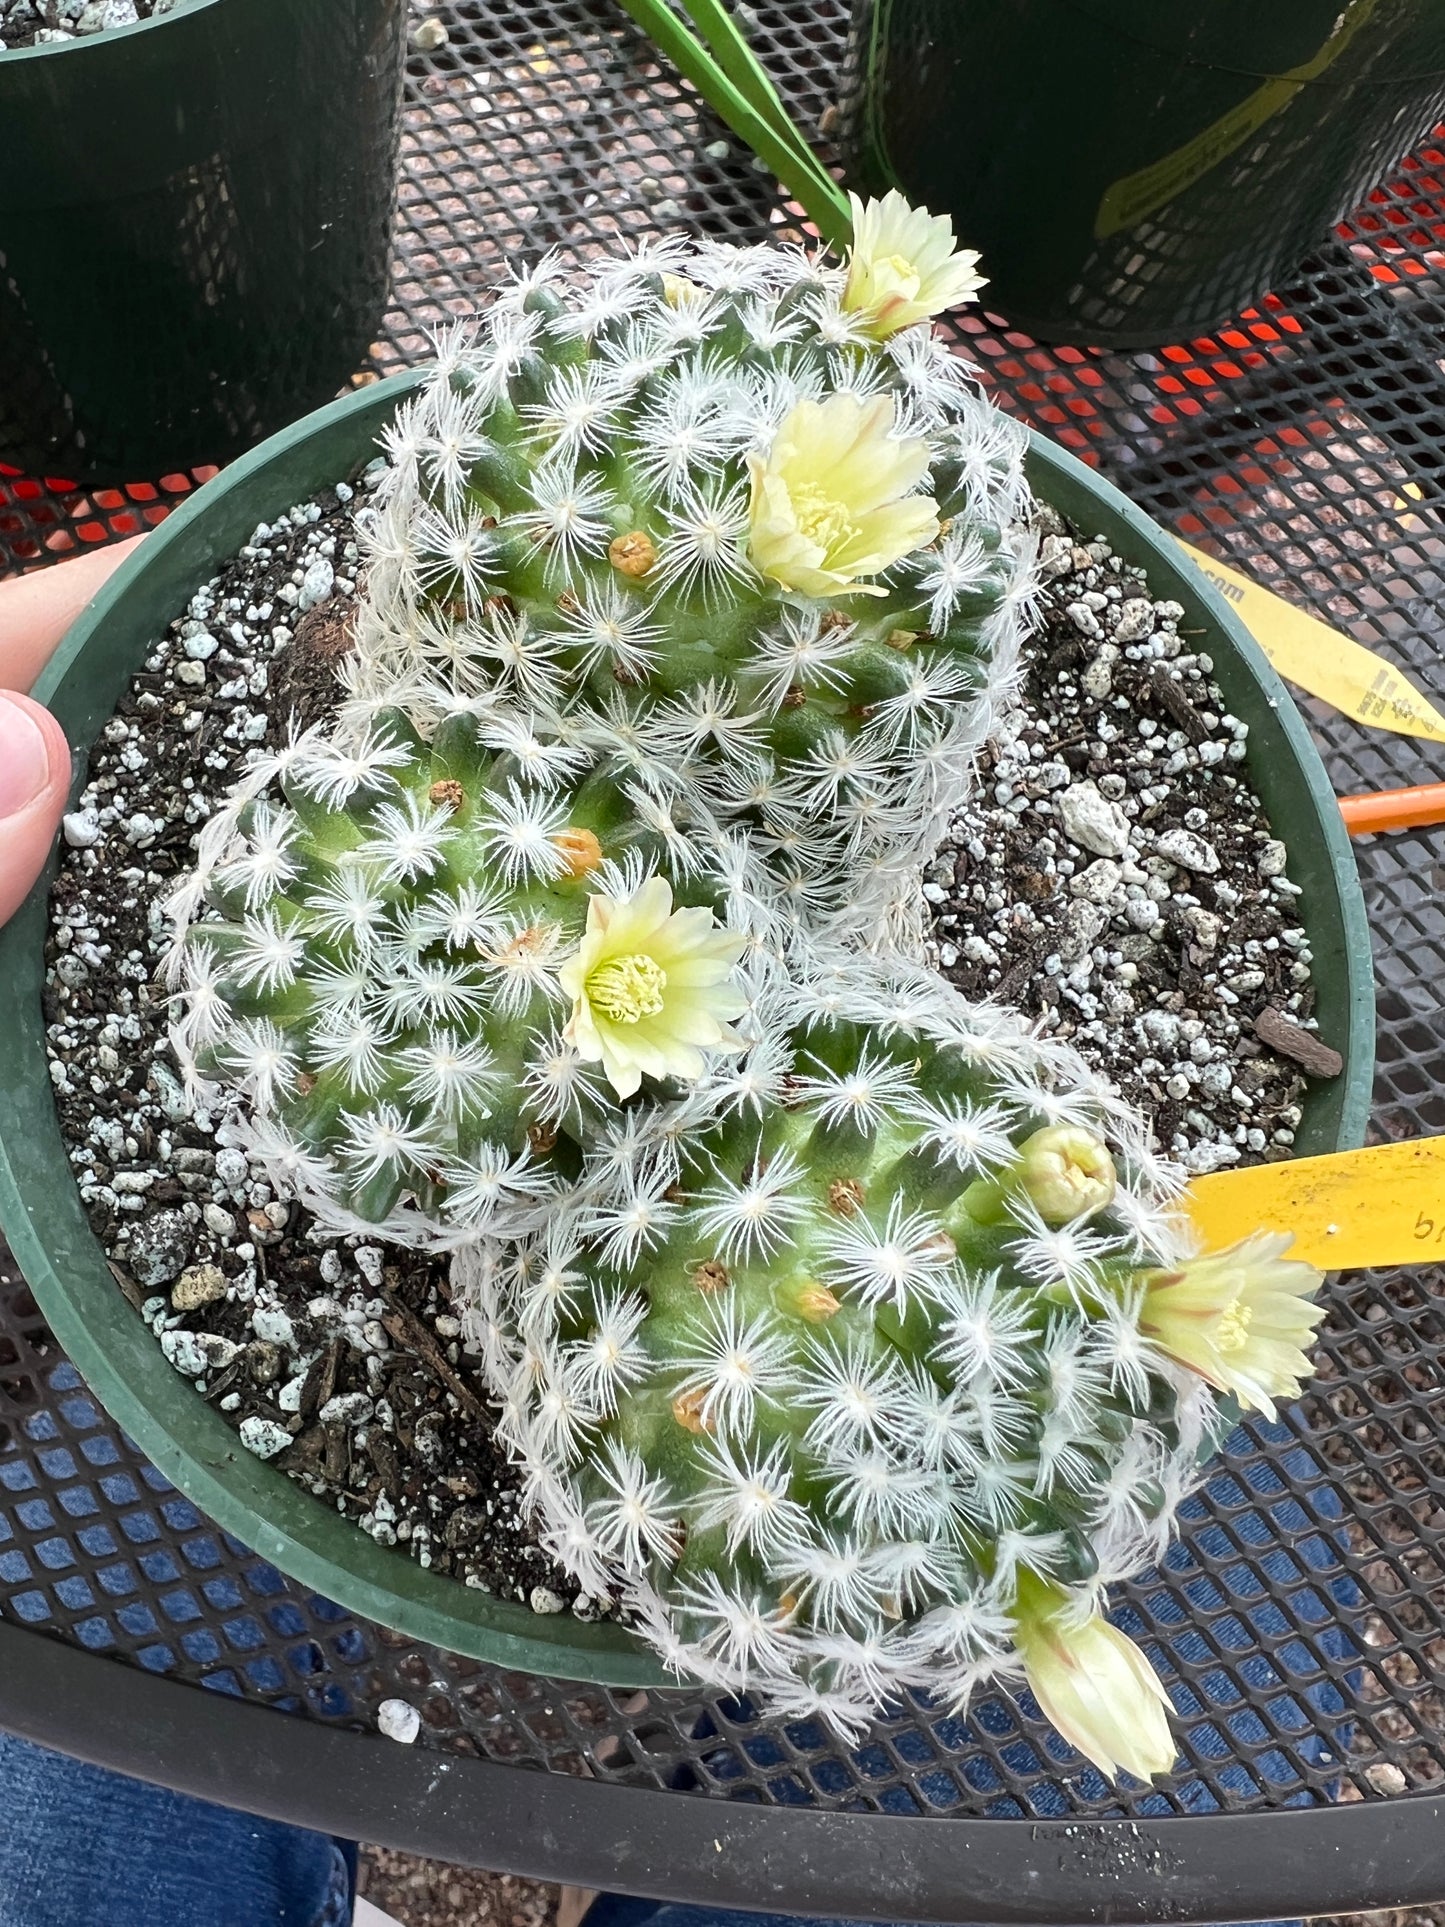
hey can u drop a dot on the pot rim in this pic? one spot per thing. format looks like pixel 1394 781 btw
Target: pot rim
pixel 108 34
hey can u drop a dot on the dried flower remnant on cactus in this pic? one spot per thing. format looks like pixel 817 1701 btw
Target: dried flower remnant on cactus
pixel 823 1425
pixel 680 509
pixel 382 944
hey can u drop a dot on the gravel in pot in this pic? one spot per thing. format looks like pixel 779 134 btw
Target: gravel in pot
pixel 1115 875
pixel 43 23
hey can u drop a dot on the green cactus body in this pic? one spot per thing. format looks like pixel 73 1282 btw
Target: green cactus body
pixel 369 955
pixel 565 533
pixel 812 1413
pixel 849 1350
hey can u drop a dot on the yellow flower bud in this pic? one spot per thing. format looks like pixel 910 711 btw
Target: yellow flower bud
pixel 679 292
pixel 1093 1683
pixel 1066 1171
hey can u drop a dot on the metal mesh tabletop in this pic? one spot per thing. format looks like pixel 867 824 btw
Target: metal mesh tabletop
pixel 1300 1621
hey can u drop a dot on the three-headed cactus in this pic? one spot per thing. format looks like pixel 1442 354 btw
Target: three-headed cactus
pixel 732 513
pixel 849 1347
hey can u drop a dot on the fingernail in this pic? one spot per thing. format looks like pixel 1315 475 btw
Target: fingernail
pixel 24 758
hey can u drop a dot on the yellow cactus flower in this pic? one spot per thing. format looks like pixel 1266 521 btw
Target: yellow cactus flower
pixel 1093 1683
pixel 831 500
pixel 1240 1318
pixel 903 266
pixel 650 987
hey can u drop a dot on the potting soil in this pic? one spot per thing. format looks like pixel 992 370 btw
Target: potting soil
pixel 42 23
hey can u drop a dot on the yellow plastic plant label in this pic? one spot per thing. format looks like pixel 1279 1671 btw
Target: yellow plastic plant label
pixel 1384 1205
pixel 1320 660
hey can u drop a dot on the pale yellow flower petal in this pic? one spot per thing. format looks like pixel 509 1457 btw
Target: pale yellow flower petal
pixel 903 266
pixel 651 987
pixel 623 1070
pixel 876 467
pixel 585 1036
pixel 699 973
pixel 696 928
pixel 1239 1318
pixel 639 916
pixel 831 500
pixel 691 1027
pixel 908 525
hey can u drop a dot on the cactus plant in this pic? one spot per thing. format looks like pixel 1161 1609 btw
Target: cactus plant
pixel 423 971
pixel 852 1383
pixel 718 511
pixel 840 1345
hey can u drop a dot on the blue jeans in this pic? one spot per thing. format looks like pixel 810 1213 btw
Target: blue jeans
pixel 80 1847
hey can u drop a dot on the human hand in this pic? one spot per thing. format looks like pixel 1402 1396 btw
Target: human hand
pixel 35 612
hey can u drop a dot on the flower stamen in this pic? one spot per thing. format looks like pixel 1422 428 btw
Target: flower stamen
pixel 1234 1323
pixel 628 988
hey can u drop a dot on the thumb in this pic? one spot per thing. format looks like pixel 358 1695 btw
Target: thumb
pixel 34 780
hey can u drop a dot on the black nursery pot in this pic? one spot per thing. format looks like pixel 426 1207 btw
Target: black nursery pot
pixel 195 218
pixel 1136 171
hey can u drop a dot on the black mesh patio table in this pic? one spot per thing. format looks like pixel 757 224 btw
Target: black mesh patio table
pixel 1300 1620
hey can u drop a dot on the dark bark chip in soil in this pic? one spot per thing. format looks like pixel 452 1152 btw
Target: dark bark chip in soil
pixel 303 681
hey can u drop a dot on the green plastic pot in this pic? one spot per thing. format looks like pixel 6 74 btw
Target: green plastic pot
pixel 40 1207
pixel 195 225
pixel 1137 171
